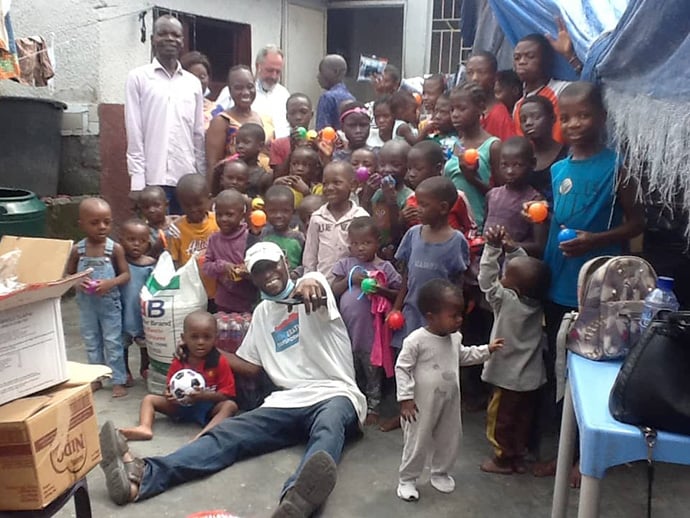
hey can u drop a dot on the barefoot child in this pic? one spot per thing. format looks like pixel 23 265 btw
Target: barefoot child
pixel 356 309
pixel 327 234
pixel 208 406
pixel 134 236
pixel 517 371
pixel 224 260
pixel 98 296
pixel 427 373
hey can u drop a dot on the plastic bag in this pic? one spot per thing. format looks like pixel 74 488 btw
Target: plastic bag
pixel 168 296
pixel 8 272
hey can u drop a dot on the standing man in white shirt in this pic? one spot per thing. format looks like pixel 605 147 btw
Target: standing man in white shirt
pixel 271 96
pixel 164 116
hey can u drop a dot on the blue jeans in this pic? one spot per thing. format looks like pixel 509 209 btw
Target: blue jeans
pixel 324 426
pixel 100 321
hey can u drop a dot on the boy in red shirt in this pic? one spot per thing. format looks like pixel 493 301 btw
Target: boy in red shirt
pixel 210 405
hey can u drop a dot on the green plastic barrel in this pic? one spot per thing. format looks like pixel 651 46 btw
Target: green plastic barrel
pixel 21 213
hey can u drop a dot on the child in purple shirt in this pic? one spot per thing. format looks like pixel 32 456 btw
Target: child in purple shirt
pixel 504 205
pixel 224 259
pixel 356 309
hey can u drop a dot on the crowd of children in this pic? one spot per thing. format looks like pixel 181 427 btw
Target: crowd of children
pixel 423 217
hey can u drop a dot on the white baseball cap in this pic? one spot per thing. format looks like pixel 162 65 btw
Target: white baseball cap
pixel 264 251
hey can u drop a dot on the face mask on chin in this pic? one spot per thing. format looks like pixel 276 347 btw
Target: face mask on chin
pixel 289 286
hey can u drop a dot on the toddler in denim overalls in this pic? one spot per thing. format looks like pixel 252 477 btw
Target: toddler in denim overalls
pixel 100 318
pixel 100 312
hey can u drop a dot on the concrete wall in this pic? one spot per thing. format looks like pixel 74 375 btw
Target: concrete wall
pixel 97 41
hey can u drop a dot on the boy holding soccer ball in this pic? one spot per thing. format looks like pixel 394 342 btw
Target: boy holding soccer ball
pixel 206 406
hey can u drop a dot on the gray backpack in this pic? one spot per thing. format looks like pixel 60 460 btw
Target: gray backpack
pixel 610 295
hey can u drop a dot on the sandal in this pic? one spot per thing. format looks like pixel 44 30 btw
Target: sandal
pixel 113 443
pixel 119 477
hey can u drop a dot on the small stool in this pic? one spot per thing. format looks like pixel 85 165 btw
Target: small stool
pixel 82 504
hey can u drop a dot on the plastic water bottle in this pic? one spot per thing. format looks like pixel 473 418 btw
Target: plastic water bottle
pixel 660 298
pixel 223 321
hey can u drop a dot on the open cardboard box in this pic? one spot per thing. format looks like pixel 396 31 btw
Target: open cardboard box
pixel 32 349
pixel 49 441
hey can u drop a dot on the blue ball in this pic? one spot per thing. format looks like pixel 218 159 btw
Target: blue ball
pixel 566 235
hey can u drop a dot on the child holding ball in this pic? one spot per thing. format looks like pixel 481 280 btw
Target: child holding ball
pixel 209 406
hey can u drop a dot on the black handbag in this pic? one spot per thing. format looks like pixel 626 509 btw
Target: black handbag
pixel 652 389
pixel 653 386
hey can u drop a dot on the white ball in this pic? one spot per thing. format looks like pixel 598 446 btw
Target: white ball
pixel 183 383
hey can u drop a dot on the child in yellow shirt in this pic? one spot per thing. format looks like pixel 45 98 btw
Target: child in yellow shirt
pixel 190 233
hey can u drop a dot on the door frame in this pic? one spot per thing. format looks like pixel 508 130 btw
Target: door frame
pixel 359 4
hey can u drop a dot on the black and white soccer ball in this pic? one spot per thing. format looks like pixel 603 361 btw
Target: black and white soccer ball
pixel 183 383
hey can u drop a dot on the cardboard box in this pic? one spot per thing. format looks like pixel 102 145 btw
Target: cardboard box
pixel 47 443
pixel 32 349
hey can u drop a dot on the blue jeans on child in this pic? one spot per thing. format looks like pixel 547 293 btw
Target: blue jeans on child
pixel 324 426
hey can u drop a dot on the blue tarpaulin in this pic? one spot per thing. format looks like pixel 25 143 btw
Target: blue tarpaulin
pixel 640 51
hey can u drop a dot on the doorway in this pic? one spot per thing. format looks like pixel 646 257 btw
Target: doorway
pixel 369 31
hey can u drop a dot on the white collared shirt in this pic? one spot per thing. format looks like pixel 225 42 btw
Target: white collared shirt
pixel 270 103
pixel 165 125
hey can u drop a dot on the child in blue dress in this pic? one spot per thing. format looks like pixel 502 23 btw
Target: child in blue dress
pixel 134 237
pixel 98 296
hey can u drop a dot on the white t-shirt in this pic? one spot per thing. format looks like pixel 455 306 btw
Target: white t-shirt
pixel 309 356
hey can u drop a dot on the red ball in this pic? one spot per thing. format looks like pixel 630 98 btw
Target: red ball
pixel 471 156
pixel 395 320
pixel 538 212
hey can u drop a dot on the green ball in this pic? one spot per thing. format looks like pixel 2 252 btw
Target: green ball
pixel 302 132
pixel 368 285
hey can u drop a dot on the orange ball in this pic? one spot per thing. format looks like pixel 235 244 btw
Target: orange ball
pixel 328 134
pixel 258 218
pixel 471 156
pixel 538 212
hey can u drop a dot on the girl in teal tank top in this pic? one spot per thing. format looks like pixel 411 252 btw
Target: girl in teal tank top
pixel 468 103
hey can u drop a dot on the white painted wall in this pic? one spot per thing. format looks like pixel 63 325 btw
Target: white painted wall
pixel 97 41
pixel 417 37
